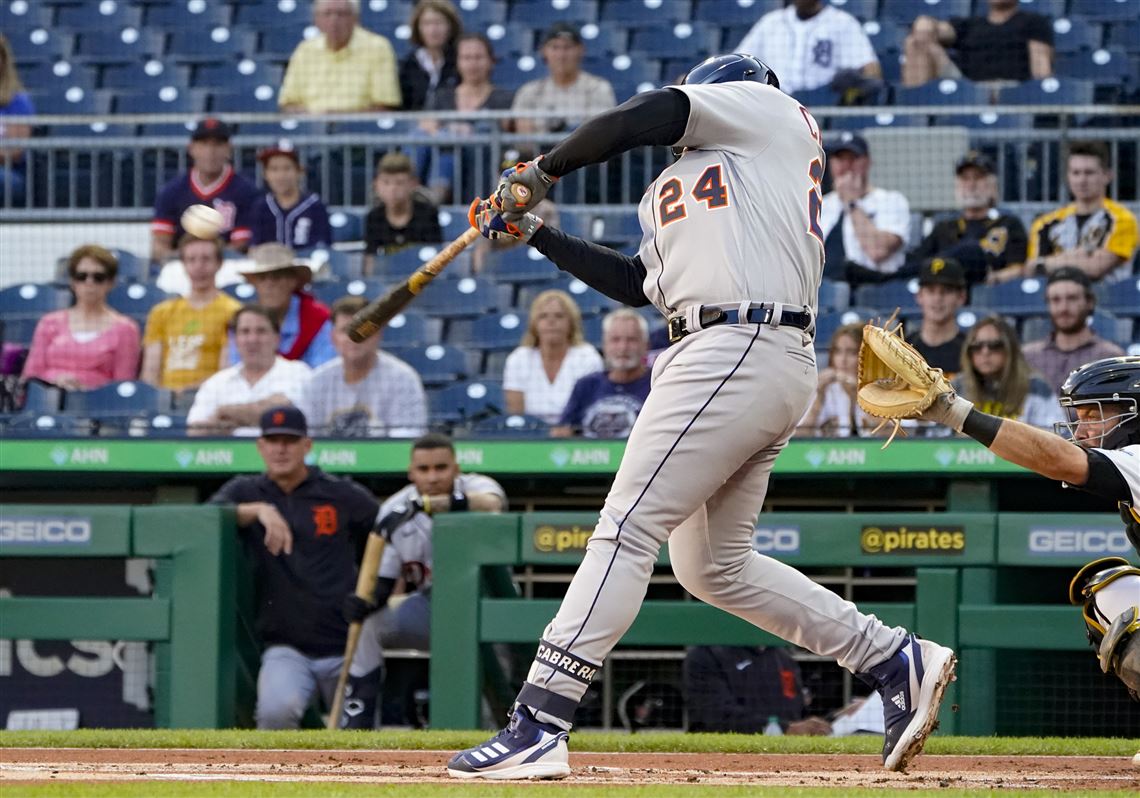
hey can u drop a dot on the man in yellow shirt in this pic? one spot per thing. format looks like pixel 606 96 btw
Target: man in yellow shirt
pixel 1094 234
pixel 346 68
pixel 185 338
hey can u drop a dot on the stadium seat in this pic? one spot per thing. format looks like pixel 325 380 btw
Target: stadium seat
pixel 906 11
pixel 167 100
pixel 19 19
pixel 346 226
pixel 833 296
pixel 58 76
pixel 1102 66
pixel 31 300
pixel 627 74
pixel 436 364
pixel 944 92
pixel 246 74
pixel 510 43
pixel 132 268
pixel 467 401
pixel 72 101
pixel 43 425
pixel 603 226
pixel 136 300
pixel 1016 298
pixel 736 12
pixel 244 292
pixel 862 10
pixel 885 36
pixel 329 291
pixel 989 120
pixel 40 397
pixel 828 323
pixel 578 12
pixel 410 258
pixel 278 44
pixel 817 98
pixel 118 47
pixel 1072 34
pixel 259 99
pixel 1049 8
pixel 1121 297
pixel 98 16
pixel 888 296
pixel 883 118
pixel 411 329
pixel 40 44
pixel 498 332
pixel 479 14
pixel 184 15
pixel 211 45
pixel 1125 35
pixel 453 222
pixel 1106 10
pixel 268 14
pixel 117 399
pixel 151 75
pixel 385 16
pixel 637 13
pixel 687 40
pixel 511 427
pixel 521 265
pixel 1050 91
pixel 18 330
pixel 462 298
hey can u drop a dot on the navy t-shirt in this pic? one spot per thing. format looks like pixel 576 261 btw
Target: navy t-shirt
pixel 304 226
pixel 984 51
pixel 299 595
pixel 231 195
pixel 602 408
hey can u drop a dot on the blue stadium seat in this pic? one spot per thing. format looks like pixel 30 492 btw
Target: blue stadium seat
pixel 511 427
pixel 828 323
pixel 19 19
pixel 1103 65
pixel 467 400
pixel 462 298
pixel 244 292
pixel 136 300
pixel 246 74
pixel 688 40
pixel 501 331
pixel 180 15
pixel 1072 34
pixel 411 329
pixel 511 42
pixel 990 120
pixel 102 16
pixel 521 265
pixel 329 291
pixel 610 226
pixel 1049 8
pixel 906 11
pixel 862 10
pixel 436 364
pixel 817 98
pixel 58 76
pixel 885 35
pixel 589 301
pixel 259 99
pixel 627 74
pixel 944 92
pixel 118 47
pixel 592 329
pixel 132 268
pixel 40 44
pixel 212 45
pixel 603 41
pixel 44 425
pixel 40 397
pixel 267 14
pixel 1050 91
pixel 884 117
pixel 407 260
pixel 453 222
pixel 636 13
pixel 887 296
pixel 278 44
pixel 151 75
pixel 1121 297
pixel 1016 298
pixel 735 12
pixel 834 295
pixel 578 12
pixel 287 128
pixel 17 330
pixel 384 16
pixel 71 101
pixel 1125 35
pixel 167 100
pixel 1106 10
pixel 31 300
pixel 346 226
pixel 478 14
pixel 117 398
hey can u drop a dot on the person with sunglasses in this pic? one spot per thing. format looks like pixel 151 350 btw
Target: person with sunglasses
pixel 997 379
pixel 89 344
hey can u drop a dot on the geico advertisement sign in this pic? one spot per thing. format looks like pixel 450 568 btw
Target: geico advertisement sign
pixel 1045 541
pixel 776 540
pixel 46 531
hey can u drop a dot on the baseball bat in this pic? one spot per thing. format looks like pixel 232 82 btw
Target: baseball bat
pixel 365 588
pixel 369 319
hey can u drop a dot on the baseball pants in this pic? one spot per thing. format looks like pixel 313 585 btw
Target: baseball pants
pixel 287 682
pixel 723 405
pixel 401 624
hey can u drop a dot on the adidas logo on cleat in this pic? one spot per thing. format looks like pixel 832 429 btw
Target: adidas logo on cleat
pixel 899 701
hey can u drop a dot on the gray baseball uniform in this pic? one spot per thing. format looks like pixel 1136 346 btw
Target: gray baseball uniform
pixel 734 220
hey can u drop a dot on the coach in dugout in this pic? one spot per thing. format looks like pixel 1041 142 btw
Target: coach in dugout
pixel 303 530
pixel 437 486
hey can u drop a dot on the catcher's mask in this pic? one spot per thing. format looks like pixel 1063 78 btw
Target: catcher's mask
pixel 1112 387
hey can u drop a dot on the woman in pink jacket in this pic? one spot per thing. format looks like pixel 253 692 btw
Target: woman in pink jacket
pixel 88 344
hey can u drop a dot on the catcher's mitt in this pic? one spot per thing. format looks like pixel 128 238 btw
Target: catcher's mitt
pixel 895 381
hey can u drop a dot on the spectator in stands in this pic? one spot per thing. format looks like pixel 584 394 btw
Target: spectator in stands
pixel 14 101
pixel 285 213
pixel 90 343
pixel 303 529
pixel 346 68
pixel 211 181
pixel 1007 44
pixel 1094 234
pixel 1071 302
pixel 365 392
pixel 567 90
pixel 739 688
pixel 438 486
pixel 430 66
pixel 997 379
pixel 606 403
pixel 809 44
pixel 834 413
pixel 232 401
pixel 305 324
pixel 540 374
pixel 404 216
pixel 988 242
pixel 185 338
pixel 941 294
pixel 865 227
pixel 475 61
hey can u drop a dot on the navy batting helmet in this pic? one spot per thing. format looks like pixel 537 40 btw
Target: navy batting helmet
pixel 726 68
pixel 1114 381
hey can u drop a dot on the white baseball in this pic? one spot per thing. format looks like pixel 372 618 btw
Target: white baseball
pixel 202 221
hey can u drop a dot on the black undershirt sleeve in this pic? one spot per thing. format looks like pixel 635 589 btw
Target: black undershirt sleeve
pixel 606 270
pixel 384 587
pixel 1105 479
pixel 657 117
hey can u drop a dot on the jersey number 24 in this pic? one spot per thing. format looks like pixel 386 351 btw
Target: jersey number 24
pixel 709 189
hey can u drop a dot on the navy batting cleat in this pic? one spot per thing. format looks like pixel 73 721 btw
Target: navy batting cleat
pixel 912 683
pixel 526 749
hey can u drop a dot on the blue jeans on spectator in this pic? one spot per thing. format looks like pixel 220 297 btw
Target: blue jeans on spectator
pixel 12 180
pixel 287 682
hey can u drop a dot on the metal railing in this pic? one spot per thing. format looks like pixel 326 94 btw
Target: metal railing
pixel 116 177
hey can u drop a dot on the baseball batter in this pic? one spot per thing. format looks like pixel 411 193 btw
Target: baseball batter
pixel 732 254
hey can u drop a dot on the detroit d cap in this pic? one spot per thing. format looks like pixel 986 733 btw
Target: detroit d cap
pixel 211 128
pixel 284 420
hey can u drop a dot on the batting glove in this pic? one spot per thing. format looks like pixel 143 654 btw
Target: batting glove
pixel 485 217
pixel 522 189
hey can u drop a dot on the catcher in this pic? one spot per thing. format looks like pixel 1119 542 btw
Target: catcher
pixel 1101 401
